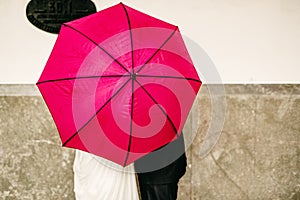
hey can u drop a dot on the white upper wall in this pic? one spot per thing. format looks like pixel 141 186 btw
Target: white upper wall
pixel 255 41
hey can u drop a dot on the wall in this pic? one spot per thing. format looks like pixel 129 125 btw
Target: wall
pixel 249 41
pixel 257 155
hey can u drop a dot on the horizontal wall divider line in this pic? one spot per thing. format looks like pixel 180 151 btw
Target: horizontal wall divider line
pixel 230 89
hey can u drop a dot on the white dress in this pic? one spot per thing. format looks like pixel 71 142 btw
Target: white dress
pixel 96 178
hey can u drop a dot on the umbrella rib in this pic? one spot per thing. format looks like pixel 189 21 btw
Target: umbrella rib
pixel 132 85
pixel 131 40
pixel 175 77
pixel 131 115
pixel 65 143
pixel 96 45
pixel 152 98
pixel 170 36
pixel 80 77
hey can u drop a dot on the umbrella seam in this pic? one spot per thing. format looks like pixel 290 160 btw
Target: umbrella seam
pixel 168 117
pixel 131 115
pixel 115 94
pixel 131 40
pixel 175 77
pixel 132 85
pixel 170 36
pixel 97 46
pixel 80 77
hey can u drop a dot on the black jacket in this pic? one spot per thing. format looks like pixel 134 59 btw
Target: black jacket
pixel 169 163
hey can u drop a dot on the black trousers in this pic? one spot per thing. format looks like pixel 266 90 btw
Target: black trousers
pixel 161 184
pixel 159 191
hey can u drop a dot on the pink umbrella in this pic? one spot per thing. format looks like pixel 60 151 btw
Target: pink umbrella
pixel 119 84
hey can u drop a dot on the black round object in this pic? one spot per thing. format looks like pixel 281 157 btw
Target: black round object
pixel 48 15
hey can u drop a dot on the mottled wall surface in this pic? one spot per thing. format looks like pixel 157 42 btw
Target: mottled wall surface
pixel 256 157
pixel 258 153
pixel 32 163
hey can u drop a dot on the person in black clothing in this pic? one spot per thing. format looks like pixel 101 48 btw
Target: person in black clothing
pixel 159 172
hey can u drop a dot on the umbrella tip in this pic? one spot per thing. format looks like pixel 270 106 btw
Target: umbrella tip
pixel 122 4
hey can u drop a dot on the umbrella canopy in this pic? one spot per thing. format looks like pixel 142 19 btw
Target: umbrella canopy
pixel 119 84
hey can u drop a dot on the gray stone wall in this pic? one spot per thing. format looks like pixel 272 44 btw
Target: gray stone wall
pixel 256 156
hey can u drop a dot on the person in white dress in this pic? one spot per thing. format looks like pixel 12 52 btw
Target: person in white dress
pixel 96 178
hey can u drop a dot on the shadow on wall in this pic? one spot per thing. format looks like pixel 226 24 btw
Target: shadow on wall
pixel 256 157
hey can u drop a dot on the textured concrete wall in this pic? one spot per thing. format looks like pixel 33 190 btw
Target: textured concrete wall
pixel 256 157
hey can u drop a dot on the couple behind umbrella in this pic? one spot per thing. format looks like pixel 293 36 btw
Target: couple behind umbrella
pixel 120 84
pixel 97 178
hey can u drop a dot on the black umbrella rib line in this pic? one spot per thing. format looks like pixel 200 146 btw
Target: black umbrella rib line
pixel 131 40
pixel 131 115
pixel 174 77
pixel 97 46
pixel 115 94
pixel 162 110
pixel 132 85
pixel 163 44
pixel 81 77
